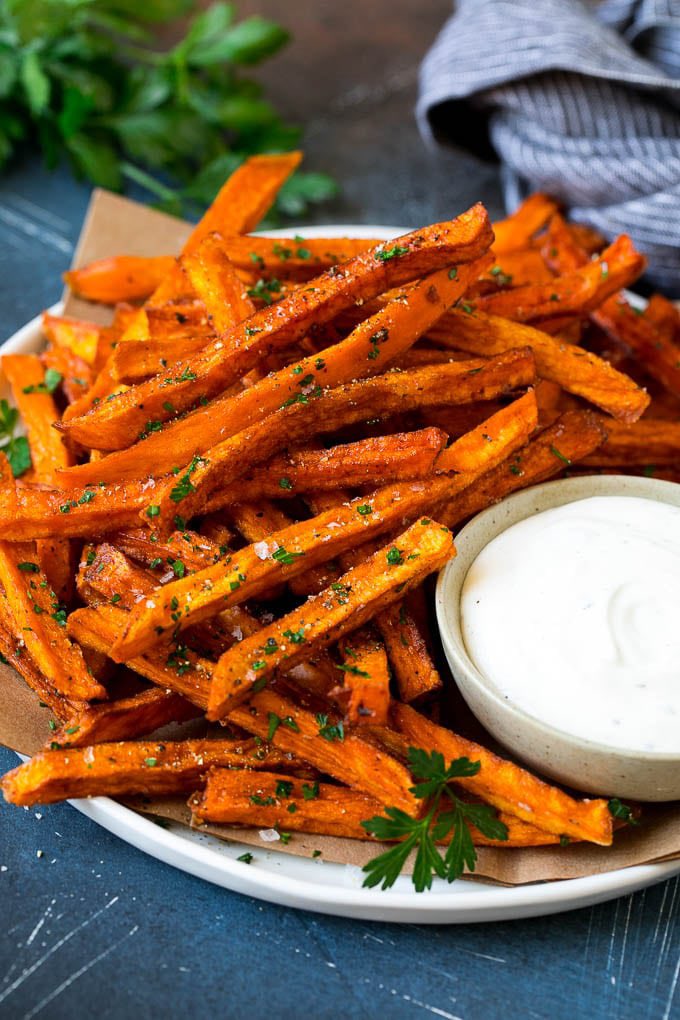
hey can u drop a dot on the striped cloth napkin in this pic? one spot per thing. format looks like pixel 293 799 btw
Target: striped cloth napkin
pixel 580 99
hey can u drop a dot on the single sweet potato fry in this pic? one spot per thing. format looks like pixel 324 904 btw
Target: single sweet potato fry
pixel 516 230
pixel 19 658
pixel 35 403
pixel 572 437
pixel 136 360
pixel 33 398
pixel 509 426
pixel 321 741
pixel 79 336
pixel 245 197
pixel 125 719
pixel 116 423
pixel 267 800
pixel 581 289
pixel 124 767
pixel 292 258
pixel 119 278
pixel 507 786
pixel 517 268
pixel 214 279
pixel 76 374
pixel 41 512
pixel 379 459
pixel 365 693
pixel 664 316
pixel 416 674
pixel 576 370
pixel 651 441
pixel 347 604
pixel 38 618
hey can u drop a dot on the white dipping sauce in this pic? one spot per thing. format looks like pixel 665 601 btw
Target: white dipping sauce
pixel 574 615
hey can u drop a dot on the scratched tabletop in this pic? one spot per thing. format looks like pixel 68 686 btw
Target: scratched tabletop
pixel 90 925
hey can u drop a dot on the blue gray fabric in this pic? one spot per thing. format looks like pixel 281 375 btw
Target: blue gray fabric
pixel 579 99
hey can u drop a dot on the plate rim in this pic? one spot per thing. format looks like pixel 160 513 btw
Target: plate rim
pixel 441 905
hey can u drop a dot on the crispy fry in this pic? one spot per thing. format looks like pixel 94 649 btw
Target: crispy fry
pixel 355 598
pixel 651 441
pixel 137 360
pixel 214 279
pixel 664 315
pixel 416 674
pixel 264 799
pixel 292 258
pixel 79 336
pixel 365 692
pixel 517 230
pixel 576 370
pixel 272 800
pixel 245 197
pixel 507 786
pixel 76 374
pixel 119 278
pixel 37 615
pixel 582 289
pixel 384 459
pixel 506 427
pixel 125 719
pixel 86 512
pixel 115 424
pixel 16 654
pixel 318 740
pixel 518 267
pixel 572 437
pixel 26 376
pixel 124 767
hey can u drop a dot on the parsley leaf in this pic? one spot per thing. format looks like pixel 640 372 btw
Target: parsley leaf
pixel 16 448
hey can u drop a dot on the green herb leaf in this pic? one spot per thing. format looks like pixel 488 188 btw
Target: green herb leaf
pixel 424 833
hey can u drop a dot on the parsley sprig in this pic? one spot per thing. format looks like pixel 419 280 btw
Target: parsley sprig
pixel 15 447
pixel 92 83
pixel 423 834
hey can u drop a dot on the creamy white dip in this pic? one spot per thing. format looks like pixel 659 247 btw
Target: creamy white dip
pixel 574 615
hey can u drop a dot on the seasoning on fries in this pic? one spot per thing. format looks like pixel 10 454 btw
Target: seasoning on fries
pixel 238 489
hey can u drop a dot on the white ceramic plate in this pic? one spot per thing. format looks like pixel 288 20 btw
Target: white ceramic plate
pixel 336 888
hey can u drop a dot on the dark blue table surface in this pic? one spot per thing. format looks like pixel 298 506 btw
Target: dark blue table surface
pixel 89 925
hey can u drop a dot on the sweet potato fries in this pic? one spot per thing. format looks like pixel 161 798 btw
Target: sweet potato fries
pixel 240 486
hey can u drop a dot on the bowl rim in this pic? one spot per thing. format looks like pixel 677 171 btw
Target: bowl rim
pixel 574 489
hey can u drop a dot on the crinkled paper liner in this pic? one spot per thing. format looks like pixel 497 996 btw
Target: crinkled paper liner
pixel 115 225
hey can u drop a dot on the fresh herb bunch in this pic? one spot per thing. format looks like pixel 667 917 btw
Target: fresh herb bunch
pixel 85 79
pixel 423 834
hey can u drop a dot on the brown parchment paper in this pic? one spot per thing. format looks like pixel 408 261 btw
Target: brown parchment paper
pixel 115 225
